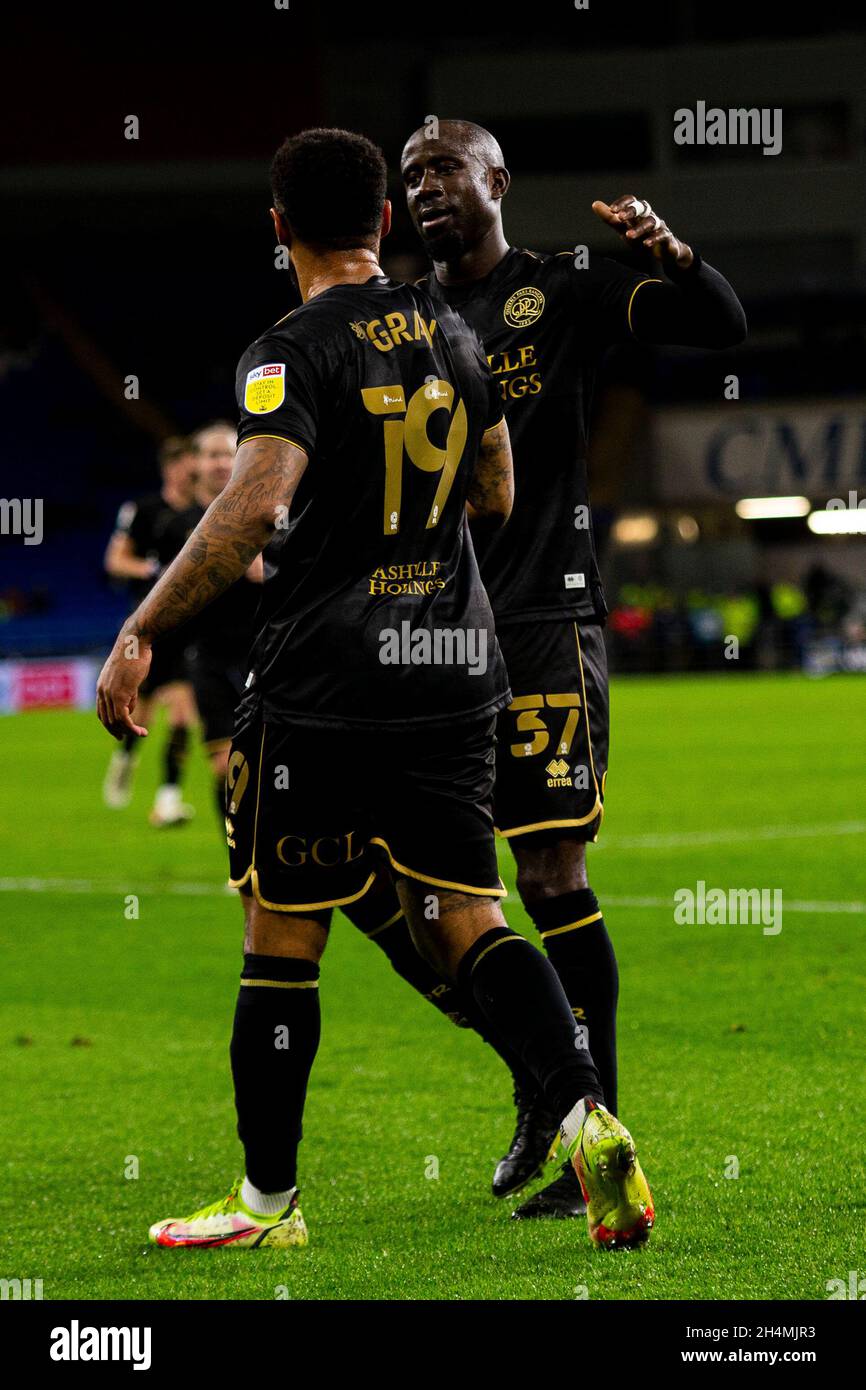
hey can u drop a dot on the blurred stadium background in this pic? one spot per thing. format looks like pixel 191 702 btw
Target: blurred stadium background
pixel 153 258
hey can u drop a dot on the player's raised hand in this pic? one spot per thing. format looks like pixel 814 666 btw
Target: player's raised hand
pixel 118 684
pixel 635 221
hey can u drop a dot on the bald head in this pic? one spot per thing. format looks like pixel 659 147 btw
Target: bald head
pixel 473 140
pixel 455 179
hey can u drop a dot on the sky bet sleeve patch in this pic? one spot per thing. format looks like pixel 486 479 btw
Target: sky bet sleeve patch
pixel 265 389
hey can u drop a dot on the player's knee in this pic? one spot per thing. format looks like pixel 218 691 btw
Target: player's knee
pixel 533 889
pixel 433 951
pixel 551 871
pixel 270 933
pixel 440 949
pixel 463 919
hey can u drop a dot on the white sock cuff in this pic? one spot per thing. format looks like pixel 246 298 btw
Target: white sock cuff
pixel 265 1203
pixel 574 1121
pixel 572 1124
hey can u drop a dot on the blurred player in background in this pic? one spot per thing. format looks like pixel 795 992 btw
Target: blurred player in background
pixel 221 636
pixel 148 534
pixel 545 322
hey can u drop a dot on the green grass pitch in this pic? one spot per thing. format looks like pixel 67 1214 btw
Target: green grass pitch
pixel 738 1049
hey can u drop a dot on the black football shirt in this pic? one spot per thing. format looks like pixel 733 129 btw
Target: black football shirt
pixel 373 613
pixel 544 324
pixel 223 632
pixel 153 526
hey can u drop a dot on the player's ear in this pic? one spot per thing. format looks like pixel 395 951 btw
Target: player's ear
pixel 386 218
pixel 498 181
pixel 280 229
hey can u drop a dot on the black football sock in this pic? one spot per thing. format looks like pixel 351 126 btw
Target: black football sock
pixel 175 754
pixel 577 943
pixel 274 1042
pixel 129 743
pixel 519 992
pixel 380 918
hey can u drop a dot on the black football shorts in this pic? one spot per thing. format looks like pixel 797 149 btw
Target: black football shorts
pixel 552 740
pixel 218 688
pixel 168 663
pixel 313 812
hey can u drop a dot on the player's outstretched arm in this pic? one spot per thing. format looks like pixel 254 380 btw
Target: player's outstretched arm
pixel 695 307
pixel 121 561
pixel 491 491
pixel 635 221
pixel 233 530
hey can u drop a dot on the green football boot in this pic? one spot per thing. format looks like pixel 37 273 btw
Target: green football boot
pixel 619 1204
pixel 230 1222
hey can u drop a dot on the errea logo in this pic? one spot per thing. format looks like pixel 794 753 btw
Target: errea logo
pixel 557 773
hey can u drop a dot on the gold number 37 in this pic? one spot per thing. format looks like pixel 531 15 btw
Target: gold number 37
pixel 409 432
pixel 529 721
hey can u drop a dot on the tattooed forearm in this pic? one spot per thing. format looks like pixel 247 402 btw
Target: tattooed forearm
pixel 232 532
pixel 491 491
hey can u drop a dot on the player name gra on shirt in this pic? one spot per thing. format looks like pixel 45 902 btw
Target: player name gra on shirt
pixel 392 330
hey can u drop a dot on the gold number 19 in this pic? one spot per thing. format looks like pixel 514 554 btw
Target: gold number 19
pixel 409 433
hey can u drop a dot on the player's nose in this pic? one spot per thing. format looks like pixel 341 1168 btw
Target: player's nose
pixel 430 184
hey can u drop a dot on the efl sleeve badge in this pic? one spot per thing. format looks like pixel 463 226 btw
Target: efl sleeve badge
pixel 265 389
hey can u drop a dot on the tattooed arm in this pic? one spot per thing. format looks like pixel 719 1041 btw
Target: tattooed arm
pixel 233 531
pixel 491 491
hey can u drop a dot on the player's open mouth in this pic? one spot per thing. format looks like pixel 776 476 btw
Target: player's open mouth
pixel 431 219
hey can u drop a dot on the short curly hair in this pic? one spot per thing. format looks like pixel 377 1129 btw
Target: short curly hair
pixel 329 186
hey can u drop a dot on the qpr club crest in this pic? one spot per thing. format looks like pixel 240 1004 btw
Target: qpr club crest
pixel 524 307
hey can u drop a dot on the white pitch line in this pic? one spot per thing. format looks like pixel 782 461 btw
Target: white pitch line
pixel 743 834
pixel 682 839
pixel 92 885
pixel 95 886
